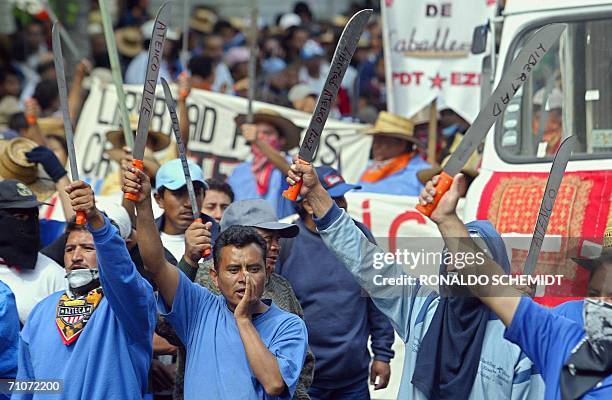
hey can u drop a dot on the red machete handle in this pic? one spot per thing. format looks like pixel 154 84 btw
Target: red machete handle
pixel 444 183
pixel 138 164
pixel 294 191
pixel 81 218
pixel 206 252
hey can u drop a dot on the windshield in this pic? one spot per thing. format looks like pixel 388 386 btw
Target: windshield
pixel 569 92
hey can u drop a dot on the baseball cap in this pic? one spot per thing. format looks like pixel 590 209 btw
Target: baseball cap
pixel 170 175
pixel 257 213
pixel 311 50
pixel 333 182
pixel 117 214
pixel 15 194
pixel 300 91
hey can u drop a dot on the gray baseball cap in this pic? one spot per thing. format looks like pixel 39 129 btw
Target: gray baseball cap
pixel 257 213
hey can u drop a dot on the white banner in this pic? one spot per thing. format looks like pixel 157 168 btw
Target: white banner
pixel 427 54
pixel 391 217
pixel 214 140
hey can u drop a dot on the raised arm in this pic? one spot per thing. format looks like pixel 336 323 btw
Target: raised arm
pixel 129 295
pixel 164 274
pixel 75 99
pixel 184 90
pixel 363 259
pixel 503 300
pixel 249 131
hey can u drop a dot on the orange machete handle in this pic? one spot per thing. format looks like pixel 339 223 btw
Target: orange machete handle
pixel 206 252
pixel 138 164
pixel 444 183
pixel 294 191
pixel 81 218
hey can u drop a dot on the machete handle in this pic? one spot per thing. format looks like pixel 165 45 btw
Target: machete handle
pixel 81 218
pixel 206 252
pixel 31 120
pixel 293 191
pixel 138 164
pixel 444 183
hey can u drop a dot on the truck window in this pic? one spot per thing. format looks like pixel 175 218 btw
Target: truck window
pixel 569 92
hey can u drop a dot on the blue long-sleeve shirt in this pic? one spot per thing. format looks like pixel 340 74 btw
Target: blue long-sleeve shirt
pixel 504 371
pixel 111 357
pixel 339 318
pixel 9 335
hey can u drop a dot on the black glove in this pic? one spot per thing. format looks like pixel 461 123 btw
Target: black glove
pixel 44 156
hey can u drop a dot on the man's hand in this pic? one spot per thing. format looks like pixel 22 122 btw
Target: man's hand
pixel 49 161
pixel 82 199
pixel 447 207
pixel 248 304
pixel 83 68
pixel 32 110
pixel 307 173
pixel 249 132
pixel 197 240
pixel 382 370
pixel 136 182
pixel 184 84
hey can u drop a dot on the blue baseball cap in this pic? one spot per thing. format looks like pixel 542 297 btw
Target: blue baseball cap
pixel 333 182
pixel 170 175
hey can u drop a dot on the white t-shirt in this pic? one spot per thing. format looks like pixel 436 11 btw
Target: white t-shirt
pixel 175 244
pixel 31 286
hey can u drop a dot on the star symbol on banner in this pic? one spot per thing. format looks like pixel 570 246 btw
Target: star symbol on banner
pixel 436 81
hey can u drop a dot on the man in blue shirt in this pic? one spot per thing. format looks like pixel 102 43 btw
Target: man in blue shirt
pixel 97 335
pixel 246 347
pixel 573 358
pixel 454 348
pixel 340 348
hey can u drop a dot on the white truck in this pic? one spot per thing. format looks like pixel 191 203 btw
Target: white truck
pixel 569 93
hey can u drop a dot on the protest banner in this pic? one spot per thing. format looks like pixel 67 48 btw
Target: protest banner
pixel 427 54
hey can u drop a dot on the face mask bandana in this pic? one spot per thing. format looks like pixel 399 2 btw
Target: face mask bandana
pixel 73 313
pixel 591 360
pixel 19 244
pixel 81 281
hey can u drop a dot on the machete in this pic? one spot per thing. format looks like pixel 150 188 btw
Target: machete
pixel 252 66
pixel 63 95
pixel 116 72
pixel 340 62
pixel 517 73
pixel 63 32
pixel 182 154
pixel 156 50
pixel 548 202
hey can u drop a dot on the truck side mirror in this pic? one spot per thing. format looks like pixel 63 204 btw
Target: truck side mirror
pixel 479 39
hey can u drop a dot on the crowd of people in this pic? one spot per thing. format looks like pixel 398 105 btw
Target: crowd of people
pixel 145 300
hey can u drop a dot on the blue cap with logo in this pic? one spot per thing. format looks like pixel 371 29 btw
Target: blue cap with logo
pixel 333 182
pixel 170 175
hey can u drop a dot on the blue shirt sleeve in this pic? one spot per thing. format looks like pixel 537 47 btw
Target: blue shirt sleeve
pixel 129 295
pixel 381 332
pixel 289 347
pixel 546 338
pixel 9 332
pixel 191 303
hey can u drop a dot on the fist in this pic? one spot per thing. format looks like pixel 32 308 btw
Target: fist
pixel 82 198
pixel 136 182
pixel 184 83
pixel 197 241
pixel 249 132
pixel 32 109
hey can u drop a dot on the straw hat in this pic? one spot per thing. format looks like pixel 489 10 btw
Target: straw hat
pixel 392 125
pixel 604 257
pixel 156 140
pixel 203 20
pixel 51 126
pixel 285 127
pixel 150 163
pixel 422 116
pixel 129 41
pixel 15 165
pixel 104 75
